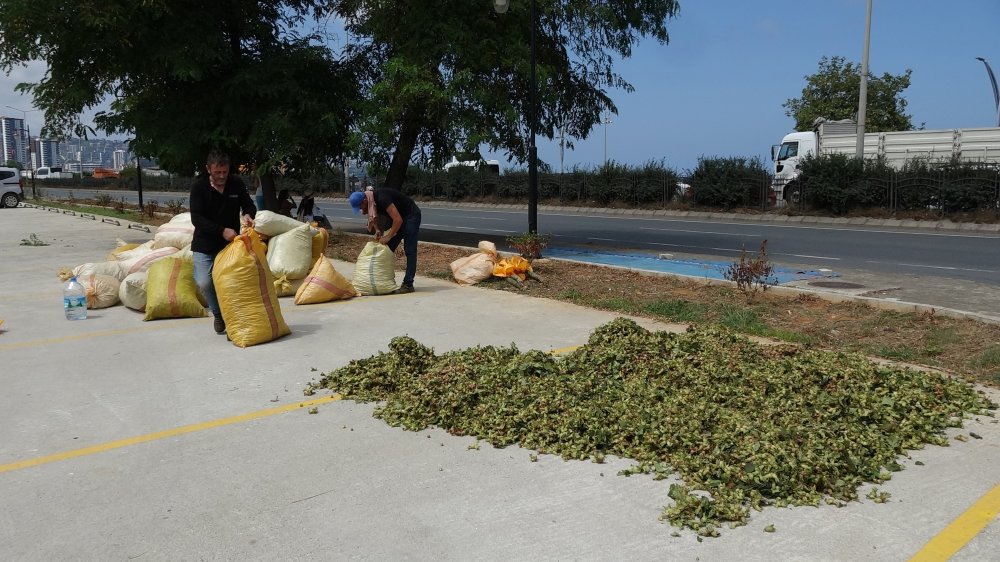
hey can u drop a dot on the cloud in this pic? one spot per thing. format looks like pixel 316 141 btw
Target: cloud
pixel 31 72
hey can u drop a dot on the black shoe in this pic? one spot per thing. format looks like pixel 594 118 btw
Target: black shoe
pixel 403 289
pixel 220 325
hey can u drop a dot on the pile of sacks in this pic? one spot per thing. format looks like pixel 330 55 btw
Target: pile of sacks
pixel 157 277
pixel 487 263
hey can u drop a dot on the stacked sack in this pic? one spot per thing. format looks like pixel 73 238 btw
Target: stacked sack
pixel 157 277
pixel 128 265
pixel 293 249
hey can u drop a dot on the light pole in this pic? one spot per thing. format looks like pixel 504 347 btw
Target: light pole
pixel 993 80
pixel 606 121
pixel 863 95
pixel 27 131
pixel 501 7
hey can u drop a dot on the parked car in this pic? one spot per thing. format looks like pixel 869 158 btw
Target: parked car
pixel 11 187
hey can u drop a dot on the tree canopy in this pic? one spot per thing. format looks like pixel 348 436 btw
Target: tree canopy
pixel 411 80
pixel 184 76
pixel 452 75
pixel 833 93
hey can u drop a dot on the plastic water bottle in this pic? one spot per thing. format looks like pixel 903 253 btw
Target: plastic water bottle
pixel 74 300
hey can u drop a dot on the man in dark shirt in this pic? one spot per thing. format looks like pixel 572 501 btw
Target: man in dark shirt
pixel 216 202
pixel 398 216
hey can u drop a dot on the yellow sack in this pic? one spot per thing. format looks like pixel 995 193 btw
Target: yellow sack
pixel 285 287
pixel 171 291
pixel 321 239
pixel 122 248
pixel 245 288
pixel 290 253
pixel 477 267
pixel 375 270
pixel 324 284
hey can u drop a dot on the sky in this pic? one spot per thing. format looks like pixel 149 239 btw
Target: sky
pixel 717 87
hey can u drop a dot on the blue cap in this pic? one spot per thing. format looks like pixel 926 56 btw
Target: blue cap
pixel 355 199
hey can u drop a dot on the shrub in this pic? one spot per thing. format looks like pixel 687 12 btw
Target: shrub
pixel 529 244
pixel 730 182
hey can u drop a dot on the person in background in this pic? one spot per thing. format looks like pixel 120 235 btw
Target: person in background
pixel 306 205
pixel 216 202
pixel 285 203
pixel 392 218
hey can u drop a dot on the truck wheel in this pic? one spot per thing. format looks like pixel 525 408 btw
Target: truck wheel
pixel 793 194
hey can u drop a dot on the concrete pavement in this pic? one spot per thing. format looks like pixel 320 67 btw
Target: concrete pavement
pixel 122 439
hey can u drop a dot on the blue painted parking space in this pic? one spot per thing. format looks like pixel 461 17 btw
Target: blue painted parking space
pixel 689 267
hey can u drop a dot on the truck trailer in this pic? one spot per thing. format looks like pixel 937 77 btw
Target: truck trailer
pixel 894 148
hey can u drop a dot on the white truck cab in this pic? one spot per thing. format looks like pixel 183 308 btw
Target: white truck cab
pixel 793 149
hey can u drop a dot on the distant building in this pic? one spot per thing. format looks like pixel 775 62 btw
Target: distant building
pixel 15 141
pixel 118 160
pixel 46 153
pixel 71 154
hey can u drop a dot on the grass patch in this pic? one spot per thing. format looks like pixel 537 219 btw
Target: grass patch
pixel 988 359
pixel 677 310
pixel 619 304
pixel 789 336
pixel 941 337
pixel 741 319
pixel 898 353
pixel 130 215
pixel 569 295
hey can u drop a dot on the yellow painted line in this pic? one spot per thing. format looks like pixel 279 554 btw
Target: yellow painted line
pixel 162 434
pixel 954 537
pixel 564 350
pixel 88 335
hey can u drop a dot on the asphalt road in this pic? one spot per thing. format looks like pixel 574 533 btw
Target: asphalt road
pixel 969 256
pixel 945 268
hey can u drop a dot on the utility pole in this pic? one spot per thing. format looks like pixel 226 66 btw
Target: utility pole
pixel 607 121
pixel 863 97
pixel 562 148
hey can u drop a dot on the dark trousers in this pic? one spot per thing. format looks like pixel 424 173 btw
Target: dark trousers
pixel 408 235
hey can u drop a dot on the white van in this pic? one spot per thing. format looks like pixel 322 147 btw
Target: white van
pixel 46 172
pixel 11 187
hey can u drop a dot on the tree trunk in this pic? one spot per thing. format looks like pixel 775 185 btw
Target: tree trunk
pixel 408 133
pixel 270 197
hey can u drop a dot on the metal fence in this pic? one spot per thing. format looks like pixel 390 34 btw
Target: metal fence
pixel 943 192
